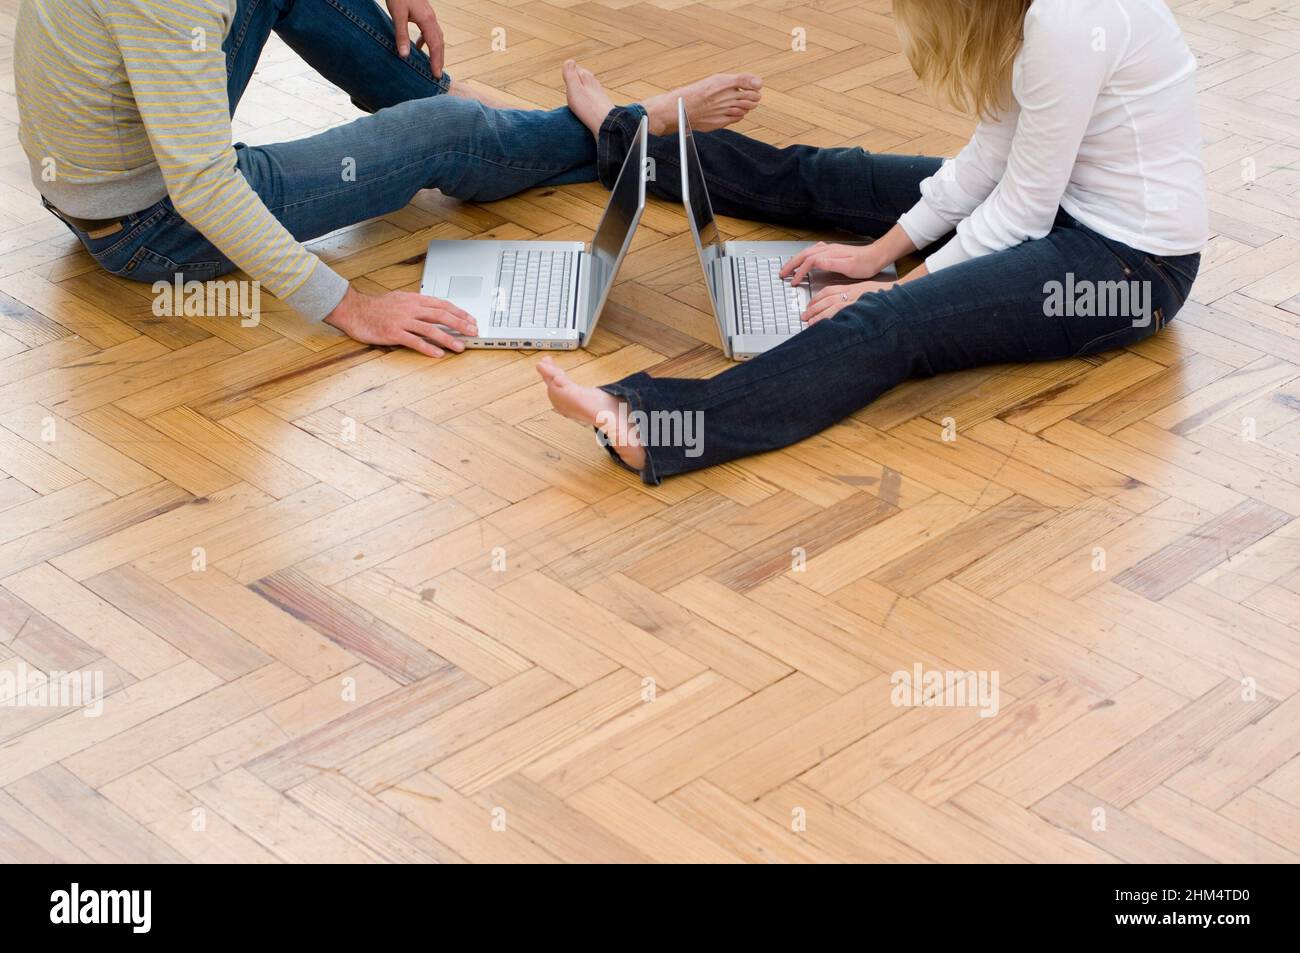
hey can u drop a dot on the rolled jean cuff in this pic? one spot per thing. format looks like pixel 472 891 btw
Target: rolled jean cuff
pixel 617 133
pixel 632 389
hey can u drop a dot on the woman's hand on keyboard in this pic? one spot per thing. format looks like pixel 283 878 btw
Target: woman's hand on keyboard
pixel 852 261
pixel 833 298
pixel 403 318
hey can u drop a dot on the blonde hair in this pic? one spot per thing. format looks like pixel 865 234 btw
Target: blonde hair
pixel 963 50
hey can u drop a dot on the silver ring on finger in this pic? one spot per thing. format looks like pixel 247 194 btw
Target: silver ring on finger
pixel 844 296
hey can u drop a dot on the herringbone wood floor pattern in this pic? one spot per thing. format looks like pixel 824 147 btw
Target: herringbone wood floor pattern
pixel 352 678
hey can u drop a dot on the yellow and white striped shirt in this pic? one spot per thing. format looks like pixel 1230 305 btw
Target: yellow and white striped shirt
pixel 121 102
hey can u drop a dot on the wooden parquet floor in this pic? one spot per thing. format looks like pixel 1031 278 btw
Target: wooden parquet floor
pixel 351 604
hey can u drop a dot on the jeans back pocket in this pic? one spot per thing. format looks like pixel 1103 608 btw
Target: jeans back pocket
pixel 1177 275
pixel 148 266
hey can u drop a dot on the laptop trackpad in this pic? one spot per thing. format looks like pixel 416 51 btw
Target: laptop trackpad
pixel 462 287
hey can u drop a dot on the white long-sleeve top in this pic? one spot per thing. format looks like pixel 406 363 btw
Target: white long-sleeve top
pixel 1104 125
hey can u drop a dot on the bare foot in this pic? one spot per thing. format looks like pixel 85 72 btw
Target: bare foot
pixel 595 408
pixel 587 98
pixel 711 103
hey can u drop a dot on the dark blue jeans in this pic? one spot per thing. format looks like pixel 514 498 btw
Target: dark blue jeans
pixel 416 139
pixel 998 308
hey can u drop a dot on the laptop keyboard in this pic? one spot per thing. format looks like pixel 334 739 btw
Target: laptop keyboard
pixel 533 289
pixel 769 304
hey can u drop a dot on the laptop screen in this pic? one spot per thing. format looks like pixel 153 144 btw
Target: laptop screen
pixel 699 210
pixel 614 233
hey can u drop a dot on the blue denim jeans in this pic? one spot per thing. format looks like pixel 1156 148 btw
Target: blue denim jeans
pixel 988 310
pixel 415 139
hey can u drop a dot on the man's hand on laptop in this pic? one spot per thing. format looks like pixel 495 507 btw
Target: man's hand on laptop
pixel 419 12
pixel 403 318
pixel 852 261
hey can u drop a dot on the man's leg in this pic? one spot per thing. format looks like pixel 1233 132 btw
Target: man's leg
pixel 351 43
pixel 988 310
pixel 254 20
pixel 796 186
pixel 376 164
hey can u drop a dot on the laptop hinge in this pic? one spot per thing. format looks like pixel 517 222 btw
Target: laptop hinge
pixel 580 299
pixel 729 285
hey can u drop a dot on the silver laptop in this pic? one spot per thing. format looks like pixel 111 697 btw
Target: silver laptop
pixel 535 294
pixel 756 309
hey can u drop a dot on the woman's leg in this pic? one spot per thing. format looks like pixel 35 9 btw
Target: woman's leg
pixel 998 308
pixel 796 186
